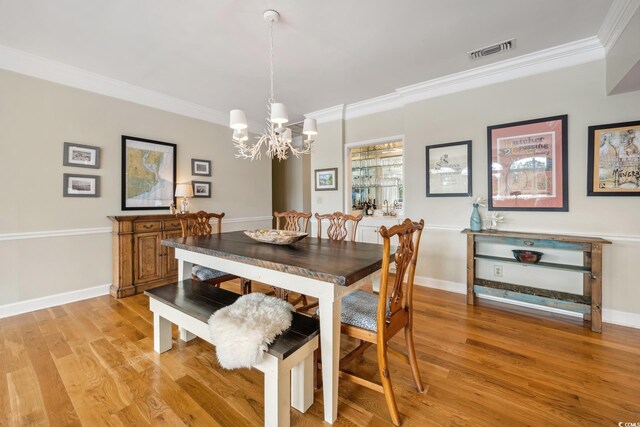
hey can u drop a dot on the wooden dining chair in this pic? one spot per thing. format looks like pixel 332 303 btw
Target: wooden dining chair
pixel 375 319
pixel 341 227
pixel 199 224
pixel 291 221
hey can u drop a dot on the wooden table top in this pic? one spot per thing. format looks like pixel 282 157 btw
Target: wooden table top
pixel 541 236
pixel 340 263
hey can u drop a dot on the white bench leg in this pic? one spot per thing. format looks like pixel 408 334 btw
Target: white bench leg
pixel 277 393
pixel 161 334
pixel 302 384
pixel 185 335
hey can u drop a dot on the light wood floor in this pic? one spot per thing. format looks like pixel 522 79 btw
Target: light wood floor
pixel 92 363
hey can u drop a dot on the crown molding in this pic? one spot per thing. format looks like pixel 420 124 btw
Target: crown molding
pixel 562 56
pixel 616 20
pixel 328 114
pixel 555 58
pixel 378 104
pixel 46 69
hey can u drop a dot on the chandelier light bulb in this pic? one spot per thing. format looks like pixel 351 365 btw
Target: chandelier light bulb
pixel 286 135
pixel 237 120
pixel 279 113
pixel 240 135
pixel 310 127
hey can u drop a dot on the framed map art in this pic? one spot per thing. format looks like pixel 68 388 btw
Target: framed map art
pixel 148 174
pixel 528 165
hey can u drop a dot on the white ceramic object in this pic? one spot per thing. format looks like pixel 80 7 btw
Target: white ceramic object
pixel 276 237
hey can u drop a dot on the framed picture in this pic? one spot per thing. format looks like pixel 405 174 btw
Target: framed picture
pixel 613 165
pixel 449 169
pixel 326 179
pixel 148 174
pixel 528 165
pixel 201 188
pixel 75 185
pixel 84 156
pixel 200 167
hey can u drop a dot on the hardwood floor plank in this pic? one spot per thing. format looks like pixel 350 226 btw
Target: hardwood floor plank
pixel 92 362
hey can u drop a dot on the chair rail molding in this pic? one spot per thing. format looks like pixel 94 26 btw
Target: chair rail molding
pixel 100 230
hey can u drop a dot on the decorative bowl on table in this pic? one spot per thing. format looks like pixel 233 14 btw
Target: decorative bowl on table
pixel 528 257
pixel 276 237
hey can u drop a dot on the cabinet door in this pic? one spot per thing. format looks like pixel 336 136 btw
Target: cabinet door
pixel 169 262
pixel 146 257
pixel 367 234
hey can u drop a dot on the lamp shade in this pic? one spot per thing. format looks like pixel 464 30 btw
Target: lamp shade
pixel 237 119
pixel 184 190
pixel 279 113
pixel 310 127
pixel 240 135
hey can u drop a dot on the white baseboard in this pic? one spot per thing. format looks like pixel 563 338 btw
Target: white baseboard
pixel 21 307
pixel 616 317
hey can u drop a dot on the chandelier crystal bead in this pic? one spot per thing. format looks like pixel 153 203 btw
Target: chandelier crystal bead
pixel 275 137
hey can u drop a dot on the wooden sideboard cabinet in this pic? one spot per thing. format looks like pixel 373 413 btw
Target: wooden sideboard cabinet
pixel 139 260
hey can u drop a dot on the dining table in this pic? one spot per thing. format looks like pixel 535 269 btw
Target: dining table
pixel 321 268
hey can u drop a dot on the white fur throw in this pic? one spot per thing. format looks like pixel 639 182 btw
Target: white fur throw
pixel 243 331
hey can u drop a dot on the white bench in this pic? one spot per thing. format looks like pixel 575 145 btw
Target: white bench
pixel 287 366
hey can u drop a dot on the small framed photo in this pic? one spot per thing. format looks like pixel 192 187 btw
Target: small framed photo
pixel 528 165
pixel 449 169
pixel 613 166
pixel 84 156
pixel 75 185
pixel 200 167
pixel 326 179
pixel 201 188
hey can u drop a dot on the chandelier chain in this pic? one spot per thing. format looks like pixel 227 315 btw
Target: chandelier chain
pixel 272 98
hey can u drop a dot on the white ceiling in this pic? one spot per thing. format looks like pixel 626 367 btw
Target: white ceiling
pixel 215 52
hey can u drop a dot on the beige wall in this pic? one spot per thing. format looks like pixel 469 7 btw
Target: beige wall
pixel 623 60
pixel 291 184
pixel 577 91
pixel 327 153
pixel 36 118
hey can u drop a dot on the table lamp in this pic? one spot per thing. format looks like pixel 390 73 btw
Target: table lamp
pixel 185 191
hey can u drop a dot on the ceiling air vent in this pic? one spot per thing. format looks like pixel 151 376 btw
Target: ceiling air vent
pixel 490 50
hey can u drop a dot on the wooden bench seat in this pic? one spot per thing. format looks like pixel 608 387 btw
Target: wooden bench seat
pixel 287 365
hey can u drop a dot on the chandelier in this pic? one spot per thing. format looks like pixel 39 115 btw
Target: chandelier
pixel 275 137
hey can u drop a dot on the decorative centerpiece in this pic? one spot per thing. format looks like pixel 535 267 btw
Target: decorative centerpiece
pixel 528 257
pixel 276 237
pixel 475 224
pixel 493 220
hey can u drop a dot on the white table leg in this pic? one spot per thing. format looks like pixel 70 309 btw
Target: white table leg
pixel 302 384
pixel 277 394
pixel 375 278
pixel 184 273
pixel 161 334
pixel 330 348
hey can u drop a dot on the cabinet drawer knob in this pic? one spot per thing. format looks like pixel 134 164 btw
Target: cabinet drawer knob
pixel 529 243
pixel 147 226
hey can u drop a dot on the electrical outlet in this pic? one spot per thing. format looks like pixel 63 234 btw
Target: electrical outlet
pixel 497 270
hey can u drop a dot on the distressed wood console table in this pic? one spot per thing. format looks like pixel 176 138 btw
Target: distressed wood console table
pixel 589 303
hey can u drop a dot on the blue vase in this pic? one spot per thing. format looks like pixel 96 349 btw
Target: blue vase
pixel 476 221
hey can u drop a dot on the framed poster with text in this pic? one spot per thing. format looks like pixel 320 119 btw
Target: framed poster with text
pixel 528 165
pixel 613 167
